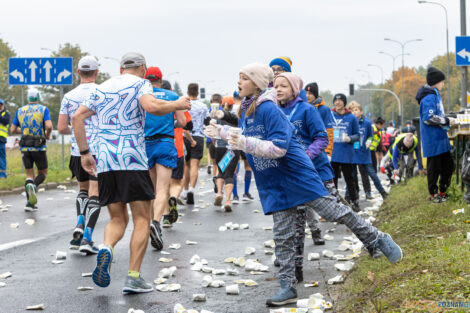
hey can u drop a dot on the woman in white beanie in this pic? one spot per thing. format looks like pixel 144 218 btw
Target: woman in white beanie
pixel 286 177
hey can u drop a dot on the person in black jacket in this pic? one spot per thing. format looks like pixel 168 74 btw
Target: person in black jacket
pixel 4 121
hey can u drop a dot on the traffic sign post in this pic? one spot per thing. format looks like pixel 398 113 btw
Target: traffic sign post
pixel 462 48
pixel 40 71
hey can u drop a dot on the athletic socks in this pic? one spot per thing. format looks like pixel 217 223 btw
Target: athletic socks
pixel 134 274
pixel 92 214
pixel 81 203
pixel 39 179
pixel 247 181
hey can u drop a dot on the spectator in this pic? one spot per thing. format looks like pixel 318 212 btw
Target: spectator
pixel 4 121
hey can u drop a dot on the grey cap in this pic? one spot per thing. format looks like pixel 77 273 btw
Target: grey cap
pixel 132 59
pixel 88 63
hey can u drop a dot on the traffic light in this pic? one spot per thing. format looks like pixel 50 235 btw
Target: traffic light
pixel 351 89
pixel 202 92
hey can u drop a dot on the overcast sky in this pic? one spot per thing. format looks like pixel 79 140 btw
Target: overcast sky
pixel 209 40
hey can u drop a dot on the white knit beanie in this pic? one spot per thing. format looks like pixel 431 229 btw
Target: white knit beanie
pixel 259 73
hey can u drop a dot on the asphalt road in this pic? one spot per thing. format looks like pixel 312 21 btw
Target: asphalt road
pixel 27 252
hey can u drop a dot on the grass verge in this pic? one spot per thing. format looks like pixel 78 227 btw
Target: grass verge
pixel 436 265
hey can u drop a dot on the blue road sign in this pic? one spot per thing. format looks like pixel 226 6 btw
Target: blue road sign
pixel 40 71
pixel 462 49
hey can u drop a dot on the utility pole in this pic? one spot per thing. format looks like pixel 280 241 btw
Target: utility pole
pixel 463 32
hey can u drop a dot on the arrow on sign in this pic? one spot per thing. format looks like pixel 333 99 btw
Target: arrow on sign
pixel 17 75
pixel 62 75
pixel 48 67
pixel 464 54
pixel 33 68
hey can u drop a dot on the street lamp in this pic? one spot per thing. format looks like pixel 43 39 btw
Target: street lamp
pixel 402 44
pixel 447 44
pixel 364 71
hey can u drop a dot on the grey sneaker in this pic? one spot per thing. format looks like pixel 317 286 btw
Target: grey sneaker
pixel 138 285
pixel 389 248
pixel 286 294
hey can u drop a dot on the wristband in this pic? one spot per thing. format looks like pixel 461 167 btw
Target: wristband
pixel 85 152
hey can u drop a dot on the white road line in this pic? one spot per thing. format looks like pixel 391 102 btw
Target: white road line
pixel 18 243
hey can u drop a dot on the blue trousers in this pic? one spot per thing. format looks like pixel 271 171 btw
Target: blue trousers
pixel 3 161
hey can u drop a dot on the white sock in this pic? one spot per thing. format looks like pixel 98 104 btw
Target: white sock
pixel 191 189
pixel 184 192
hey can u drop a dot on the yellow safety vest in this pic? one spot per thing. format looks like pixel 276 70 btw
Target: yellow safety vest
pixel 3 128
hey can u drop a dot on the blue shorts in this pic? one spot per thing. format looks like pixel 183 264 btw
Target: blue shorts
pixel 161 152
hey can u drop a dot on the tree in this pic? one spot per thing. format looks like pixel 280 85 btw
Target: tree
pixel 177 89
pixel 51 94
pixel 327 95
pixel 10 94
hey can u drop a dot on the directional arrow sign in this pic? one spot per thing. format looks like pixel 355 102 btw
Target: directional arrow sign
pixel 462 47
pixel 40 71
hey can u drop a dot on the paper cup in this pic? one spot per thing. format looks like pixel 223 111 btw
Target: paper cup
pixel 235 131
pixel 60 255
pixel 232 290
pixel 302 303
pixel 214 107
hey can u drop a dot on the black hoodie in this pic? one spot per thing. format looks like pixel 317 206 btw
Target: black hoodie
pixel 423 92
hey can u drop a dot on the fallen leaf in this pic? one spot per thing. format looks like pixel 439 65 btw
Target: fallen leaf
pixel 371 276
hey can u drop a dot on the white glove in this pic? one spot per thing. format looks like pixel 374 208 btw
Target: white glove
pixel 219 114
pixel 452 121
pixel 237 142
pixel 346 138
pixel 368 143
pixel 213 130
pixel 395 172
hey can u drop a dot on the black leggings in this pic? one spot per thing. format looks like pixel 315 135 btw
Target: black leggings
pixel 440 167
pixel 347 170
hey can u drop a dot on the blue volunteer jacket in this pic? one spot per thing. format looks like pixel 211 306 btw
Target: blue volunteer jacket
pixel 343 152
pixel 362 154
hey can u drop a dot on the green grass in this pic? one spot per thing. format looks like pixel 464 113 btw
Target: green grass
pixel 436 265
pixel 16 175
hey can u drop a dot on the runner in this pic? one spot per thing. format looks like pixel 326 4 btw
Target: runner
pixel 87 201
pixel 33 122
pixel 210 145
pixel 195 149
pixel 376 147
pixel 346 133
pixel 162 157
pixel 122 165
pixel 362 156
pixel 4 121
pixel 227 161
pixel 286 178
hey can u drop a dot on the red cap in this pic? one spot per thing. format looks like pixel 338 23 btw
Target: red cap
pixel 153 73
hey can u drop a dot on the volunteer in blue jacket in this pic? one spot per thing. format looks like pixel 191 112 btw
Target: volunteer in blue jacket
pixel 345 134
pixel 286 177
pixel 433 126
pixel 362 155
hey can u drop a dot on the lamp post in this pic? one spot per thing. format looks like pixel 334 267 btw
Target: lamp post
pixel 402 44
pixel 447 44
pixel 382 111
pixel 364 71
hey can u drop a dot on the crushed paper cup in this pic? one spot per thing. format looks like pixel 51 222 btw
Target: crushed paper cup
pixel 57 261
pixel 199 297
pixel 313 256
pixel 168 287
pixel 167 272
pixel 217 283
pixel 222 228
pixel 207 269
pixel 37 307
pixel 232 272
pixel 159 280
pixel 204 262
pixel 328 253
pixel 312 284
pixel 195 259
pixel 269 244
pixel 250 283
pixel 230 260
pixel 83 288
pixel 60 255
pixel 164 252
pixel 206 281
pixel 240 261
pixel 256 211
pixel 5 275
pixel 244 226
pixel 269 252
pixel 190 243
pixel 62 187
pixel 336 280
pixel 232 290
pixel 197 267
pixel 174 246
pixel 256 273
pixel 328 237
pixel 14 225
pixel 178 308
pixel 345 267
pixel 468 237
pixel 30 221
pixel 235 227
pixel 2 284
pixel 219 272
pixel 267 228
pixel 228 225
pixel 250 250
pixel 458 211
pixel 165 260
pixel 87 274
pixel 302 303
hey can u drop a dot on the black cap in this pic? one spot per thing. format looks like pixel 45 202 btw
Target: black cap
pixel 340 96
pixel 434 76
pixel 379 120
pixel 166 85
pixel 313 88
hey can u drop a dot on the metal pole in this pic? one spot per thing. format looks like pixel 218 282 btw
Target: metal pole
pixel 463 31
pixel 448 63
pixel 402 79
pixel 22 104
pixel 400 105
pixel 61 92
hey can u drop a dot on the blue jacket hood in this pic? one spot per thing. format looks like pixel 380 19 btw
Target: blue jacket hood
pixel 423 92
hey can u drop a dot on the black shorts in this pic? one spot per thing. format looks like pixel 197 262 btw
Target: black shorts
pixel 77 170
pixel 212 150
pixel 34 157
pixel 229 172
pixel 125 186
pixel 242 155
pixel 178 171
pixel 194 152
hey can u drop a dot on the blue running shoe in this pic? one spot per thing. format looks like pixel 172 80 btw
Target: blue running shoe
pixel 138 285
pixel 75 244
pixel 101 275
pixel 389 248
pixel 286 294
pixel 88 247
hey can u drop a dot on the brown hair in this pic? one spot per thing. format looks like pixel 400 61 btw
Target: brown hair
pixel 216 98
pixel 87 74
pixel 251 109
pixel 193 90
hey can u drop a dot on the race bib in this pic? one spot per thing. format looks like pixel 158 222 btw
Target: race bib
pixel 228 156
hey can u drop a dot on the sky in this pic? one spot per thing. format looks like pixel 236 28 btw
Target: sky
pixel 208 41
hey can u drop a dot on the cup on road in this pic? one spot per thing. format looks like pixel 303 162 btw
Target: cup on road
pixel 60 255
pixel 232 289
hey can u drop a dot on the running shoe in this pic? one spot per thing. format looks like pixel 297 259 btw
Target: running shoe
pixel 104 259
pixel 209 169
pixel 173 210
pixel 235 200
pixel 190 198
pixel 247 197
pixel 369 196
pixel 167 221
pixel 387 246
pixel 435 198
pixel 75 244
pixel 133 285
pixel 156 239
pixel 180 201
pixel 443 197
pixel 299 274
pixel 286 294
pixel 218 201
pixel 30 207
pixel 276 263
pixel 317 239
pixel 31 191
pixel 228 206
pixel 78 232
pixel 88 247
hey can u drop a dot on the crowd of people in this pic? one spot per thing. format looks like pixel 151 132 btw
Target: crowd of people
pixel 136 142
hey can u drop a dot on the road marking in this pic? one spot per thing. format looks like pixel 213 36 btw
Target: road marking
pixel 18 243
